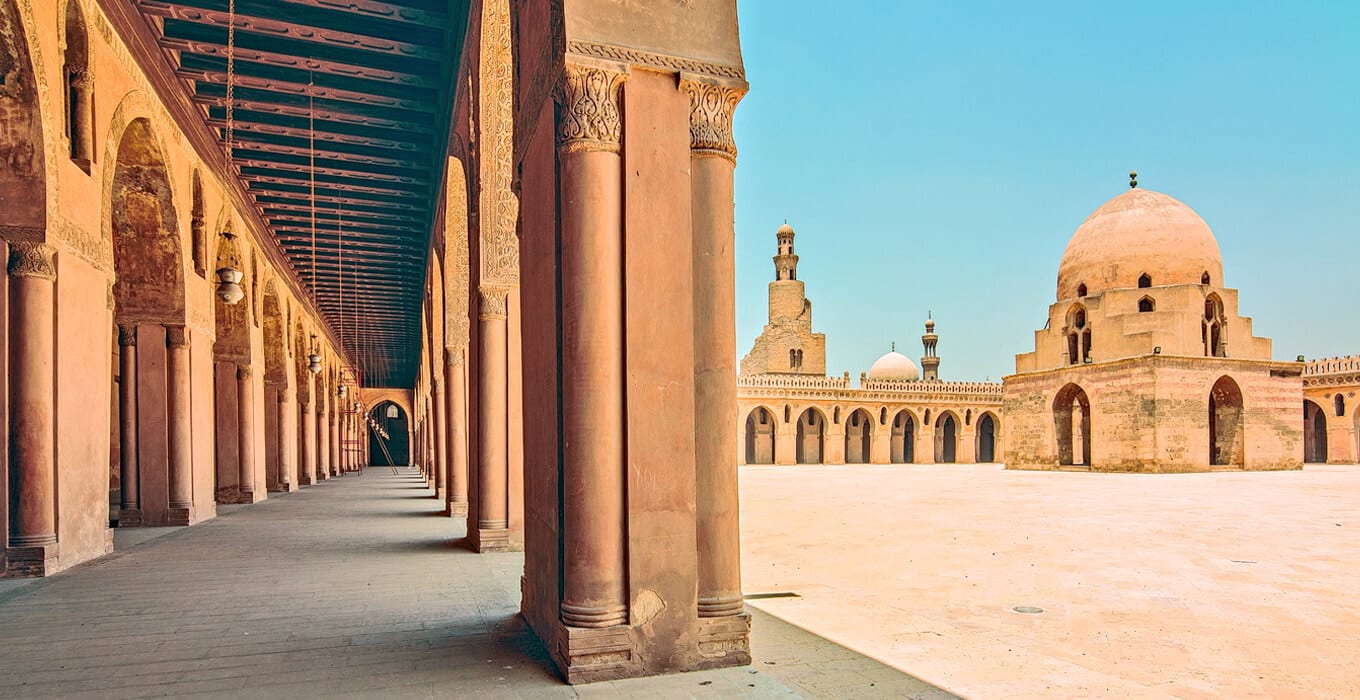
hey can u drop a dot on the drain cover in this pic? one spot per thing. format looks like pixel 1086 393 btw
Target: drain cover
pixel 1027 609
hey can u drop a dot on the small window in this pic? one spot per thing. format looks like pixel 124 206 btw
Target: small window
pixel 968 417
pixel 836 415
pixel 1144 281
pixel 393 411
pixel 1146 304
pixel 882 416
pixel 1081 289
pixel 1079 320
pixel 1204 278
pixel 927 418
pixel 787 413
pixel 1340 402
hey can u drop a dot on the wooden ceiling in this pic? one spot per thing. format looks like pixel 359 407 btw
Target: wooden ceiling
pixel 356 94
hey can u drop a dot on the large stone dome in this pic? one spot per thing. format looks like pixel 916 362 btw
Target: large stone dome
pixel 1139 232
pixel 894 365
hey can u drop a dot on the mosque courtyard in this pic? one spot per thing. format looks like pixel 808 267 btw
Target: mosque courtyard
pixel 1208 585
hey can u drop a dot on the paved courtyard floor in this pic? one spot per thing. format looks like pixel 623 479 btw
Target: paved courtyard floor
pixel 356 588
pixel 1225 585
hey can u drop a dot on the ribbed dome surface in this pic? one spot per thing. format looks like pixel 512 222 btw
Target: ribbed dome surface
pixel 1138 233
pixel 894 365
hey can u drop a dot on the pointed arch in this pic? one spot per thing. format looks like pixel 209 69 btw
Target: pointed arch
pixel 859 429
pixel 24 167
pixel 1072 425
pixel 988 430
pixel 902 439
pixel 1147 305
pixel 947 428
pixel 144 226
pixel 760 435
pixel 811 433
pixel 1226 439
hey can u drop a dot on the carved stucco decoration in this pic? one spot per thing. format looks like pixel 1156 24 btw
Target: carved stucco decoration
pixel 458 268
pixel 493 302
pixel 27 259
pixel 639 57
pixel 590 109
pixel 499 207
pixel 711 107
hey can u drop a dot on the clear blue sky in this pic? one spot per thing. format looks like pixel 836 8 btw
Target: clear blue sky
pixel 938 155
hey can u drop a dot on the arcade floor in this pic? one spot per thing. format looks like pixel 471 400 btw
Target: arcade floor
pixel 354 587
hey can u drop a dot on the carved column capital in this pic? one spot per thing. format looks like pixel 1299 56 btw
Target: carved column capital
pixel 127 335
pixel 244 373
pixel 176 337
pixel 591 120
pixel 283 394
pixel 453 357
pixel 711 106
pixel 493 302
pixel 82 78
pixel 32 260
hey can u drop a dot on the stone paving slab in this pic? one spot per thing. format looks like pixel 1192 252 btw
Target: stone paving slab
pixel 351 588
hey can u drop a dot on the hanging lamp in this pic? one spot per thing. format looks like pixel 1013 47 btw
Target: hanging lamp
pixel 229 276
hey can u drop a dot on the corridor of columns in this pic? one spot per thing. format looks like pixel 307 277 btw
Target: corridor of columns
pixel 254 245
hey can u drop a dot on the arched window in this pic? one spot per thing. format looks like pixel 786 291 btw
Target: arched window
pixel 883 416
pixel 793 359
pixel 836 415
pixel 1204 278
pixel 968 417
pixel 79 90
pixel 393 411
pixel 1144 281
pixel 1340 403
pixel 788 413
pixel 1081 289
pixel 1146 304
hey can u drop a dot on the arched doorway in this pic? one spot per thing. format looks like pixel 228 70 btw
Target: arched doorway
pixel 760 437
pixel 811 429
pixel 946 438
pixel 857 437
pixel 902 443
pixel 395 449
pixel 986 439
pixel 1226 441
pixel 1072 426
pixel 1314 433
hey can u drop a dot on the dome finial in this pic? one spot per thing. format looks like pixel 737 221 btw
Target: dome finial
pixel 1133 179
pixel 893 346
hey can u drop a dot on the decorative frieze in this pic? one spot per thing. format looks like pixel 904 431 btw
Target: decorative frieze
pixel 590 109
pixel 710 117
pixel 32 260
pixel 498 211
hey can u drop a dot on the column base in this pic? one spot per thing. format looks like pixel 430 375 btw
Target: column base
pixel 593 655
pixel 248 496
pixel 179 516
pixel 32 561
pixel 724 641
pixel 282 488
pixel 130 517
pixel 458 509
pixel 491 540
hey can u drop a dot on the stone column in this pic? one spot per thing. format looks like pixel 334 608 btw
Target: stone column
pixel 323 436
pixel 594 572
pixel 285 446
pixel 82 150
pixel 440 439
pixel 181 434
pixel 308 443
pixel 32 439
pixel 713 156
pixel 492 426
pixel 245 434
pixel 337 437
pixel 457 430
pixel 130 514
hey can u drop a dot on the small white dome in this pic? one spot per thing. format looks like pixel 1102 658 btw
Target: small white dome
pixel 894 365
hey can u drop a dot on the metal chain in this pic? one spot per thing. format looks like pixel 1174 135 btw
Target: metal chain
pixel 311 143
